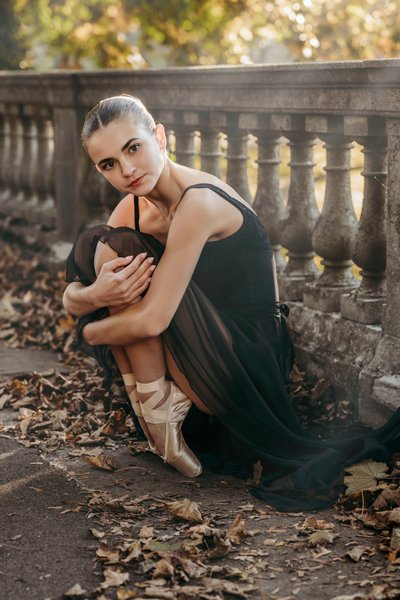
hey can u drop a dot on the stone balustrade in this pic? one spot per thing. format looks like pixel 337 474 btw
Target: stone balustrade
pixel 346 327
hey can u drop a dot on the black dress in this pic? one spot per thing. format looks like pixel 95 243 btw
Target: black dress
pixel 229 338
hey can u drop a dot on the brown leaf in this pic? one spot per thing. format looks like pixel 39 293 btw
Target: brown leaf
pixel 185 509
pixel 321 537
pixel 75 591
pixel 114 578
pixel 101 461
pixel 237 530
pixel 395 539
pixel 107 554
pixel 146 532
pixel 387 498
pixel 364 475
pixel 356 552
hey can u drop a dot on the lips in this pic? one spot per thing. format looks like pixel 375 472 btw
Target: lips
pixel 136 182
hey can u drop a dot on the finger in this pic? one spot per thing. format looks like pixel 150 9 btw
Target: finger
pixel 138 269
pixel 116 263
pixel 140 290
pixel 139 282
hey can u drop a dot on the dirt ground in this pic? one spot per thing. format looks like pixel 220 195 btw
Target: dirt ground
pixel 88 513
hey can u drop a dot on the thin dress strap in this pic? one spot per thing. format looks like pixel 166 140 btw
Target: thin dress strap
pixel 137 215
pixel 220 192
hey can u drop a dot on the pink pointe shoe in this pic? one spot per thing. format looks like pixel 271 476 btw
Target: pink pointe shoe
pixel 164 411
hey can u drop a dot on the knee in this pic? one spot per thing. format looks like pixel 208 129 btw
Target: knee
pixel 103 254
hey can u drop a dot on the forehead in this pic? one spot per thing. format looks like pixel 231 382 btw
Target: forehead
pixel 109 140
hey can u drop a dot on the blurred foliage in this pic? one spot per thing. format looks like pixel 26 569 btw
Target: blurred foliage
pixel 11 50
pixel 159 33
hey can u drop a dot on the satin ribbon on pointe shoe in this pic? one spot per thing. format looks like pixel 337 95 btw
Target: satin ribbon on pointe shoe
pixel 165 421
pixel 130 381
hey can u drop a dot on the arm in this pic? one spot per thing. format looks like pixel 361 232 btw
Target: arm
pixel 192 225
pixel 119 281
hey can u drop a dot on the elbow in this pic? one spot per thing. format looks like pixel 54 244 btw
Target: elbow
pixel 155 325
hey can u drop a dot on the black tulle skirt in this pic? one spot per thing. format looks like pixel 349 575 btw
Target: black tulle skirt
pixel 237 360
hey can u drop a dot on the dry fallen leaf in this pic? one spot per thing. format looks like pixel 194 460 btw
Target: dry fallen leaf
pixel 185 509
pixel 321 537
pixel 114 578
pixel 101 461
pixel 75 591
pixel 364 475
pixel 237 530
pixel 356 552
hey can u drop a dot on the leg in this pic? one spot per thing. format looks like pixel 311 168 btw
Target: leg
pixel 160 404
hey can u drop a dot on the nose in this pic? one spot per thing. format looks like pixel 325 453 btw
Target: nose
pixel 127 168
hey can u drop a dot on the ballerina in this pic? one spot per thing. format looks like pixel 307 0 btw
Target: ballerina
pixel 181 286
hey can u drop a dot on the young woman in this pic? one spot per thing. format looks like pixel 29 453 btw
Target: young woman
pixel 184 278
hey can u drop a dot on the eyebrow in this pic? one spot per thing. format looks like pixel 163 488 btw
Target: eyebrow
pixel 124 147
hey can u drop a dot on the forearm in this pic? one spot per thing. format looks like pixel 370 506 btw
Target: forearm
pixel 79 300
pixel 127 326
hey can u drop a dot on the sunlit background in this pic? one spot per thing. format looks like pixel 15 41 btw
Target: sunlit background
pixel 78 34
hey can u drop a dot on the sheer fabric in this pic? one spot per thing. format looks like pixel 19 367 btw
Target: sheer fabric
pixel 229 338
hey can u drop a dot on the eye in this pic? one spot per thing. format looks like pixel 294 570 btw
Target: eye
pixel 107 166
pixel 134 148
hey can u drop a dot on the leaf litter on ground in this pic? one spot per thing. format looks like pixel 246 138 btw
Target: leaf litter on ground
pixel 72 410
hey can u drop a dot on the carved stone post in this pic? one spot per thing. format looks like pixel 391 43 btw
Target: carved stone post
pixel 15 157
pixel 45 173
pixel 302 213
pixel 5 148
pixel 268 201
pixel 185 152
pixel 334 234
pixel 236 174
pixel 69 172
pixel 27 195
pixel 365 303
pixel 210 153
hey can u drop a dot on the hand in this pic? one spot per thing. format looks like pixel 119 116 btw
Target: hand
pixel 122 280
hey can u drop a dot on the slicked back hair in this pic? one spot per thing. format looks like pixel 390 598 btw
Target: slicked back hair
pixel 112 109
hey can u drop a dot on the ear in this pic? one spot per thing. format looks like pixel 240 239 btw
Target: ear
pixel 161 137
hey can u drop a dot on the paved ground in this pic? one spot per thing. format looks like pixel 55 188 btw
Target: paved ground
pixel 46 545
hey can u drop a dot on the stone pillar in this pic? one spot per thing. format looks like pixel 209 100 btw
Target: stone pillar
pixel 5 149
pixel 185 152
pixel 236 174
pixel 268 201
pixel 69 172
pixel 365 304
pixel 210 153
pixel 334 234
pixel 45 172
pixel 15 157
pixel 301 215
pixel 27 195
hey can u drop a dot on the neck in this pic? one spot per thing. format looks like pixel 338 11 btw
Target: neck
pixel 167 192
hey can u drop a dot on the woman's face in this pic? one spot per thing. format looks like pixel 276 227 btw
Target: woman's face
pixel 129 156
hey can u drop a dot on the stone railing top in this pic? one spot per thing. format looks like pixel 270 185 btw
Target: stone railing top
pixel 341 88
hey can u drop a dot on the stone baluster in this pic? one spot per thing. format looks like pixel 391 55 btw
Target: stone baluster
pixel 295 230
pixel 365 304
pixel 391 321
pixel 184 144
pixel 236 174
pixel 210 152
pixel 268 200
pixel 334 234
pixel 45 171
pixel 70 170
pixel 15 157
pixel 29 167
pixel 4 153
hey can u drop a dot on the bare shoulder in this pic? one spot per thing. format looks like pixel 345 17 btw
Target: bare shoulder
pixel 123 213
